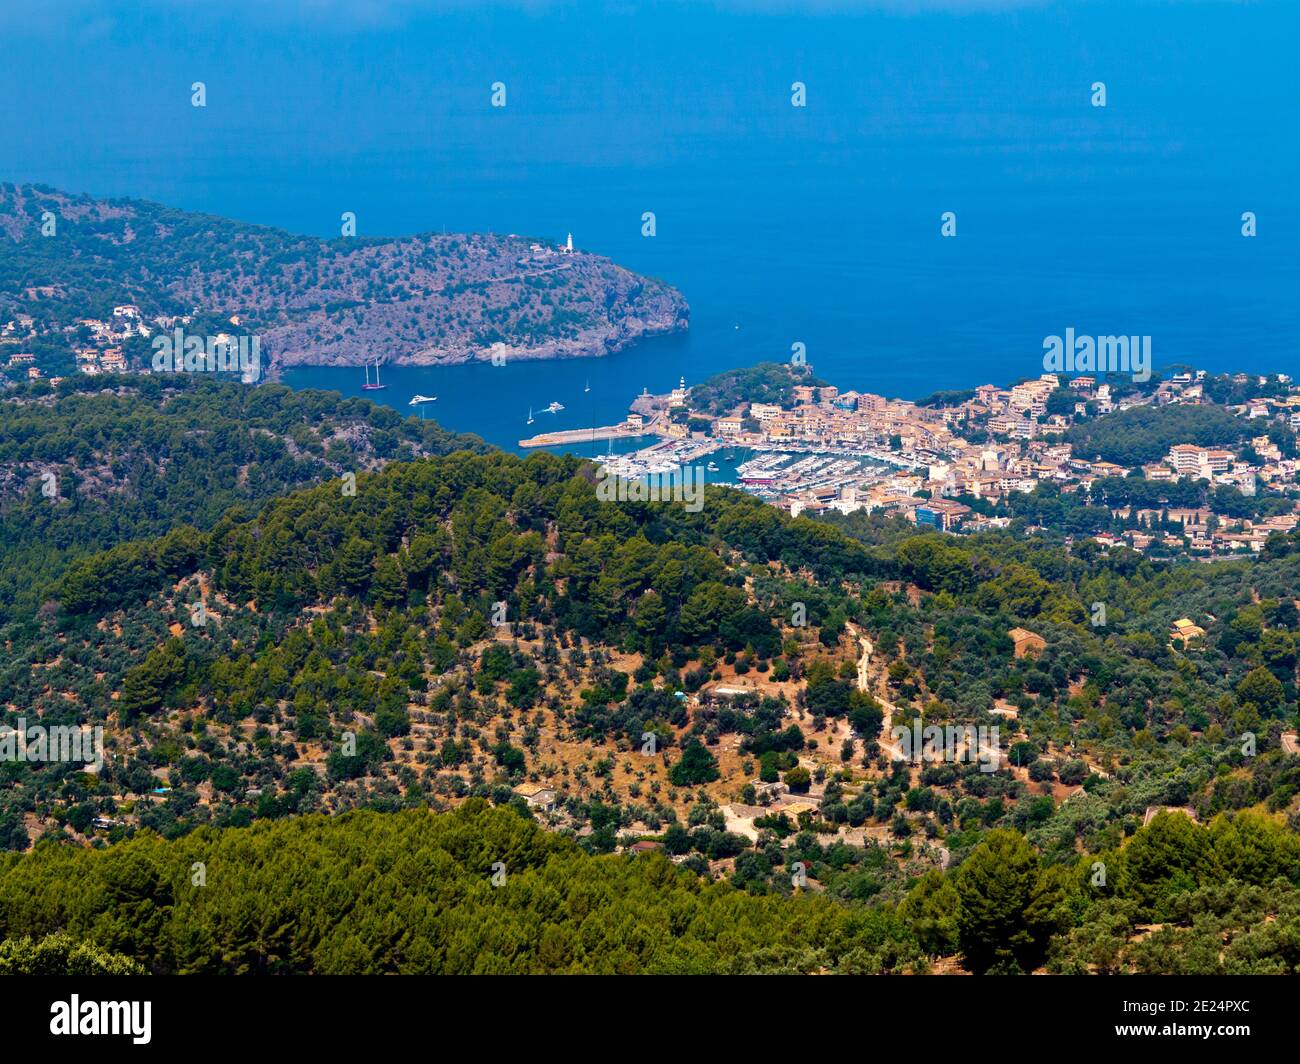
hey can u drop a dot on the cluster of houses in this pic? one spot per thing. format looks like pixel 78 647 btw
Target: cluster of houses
pixel 1200 529
pixel 96 343
pixel 102 353
pixel 13 334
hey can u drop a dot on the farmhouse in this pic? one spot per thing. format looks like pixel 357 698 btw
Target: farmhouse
pixel 536 795
pixel 1026 642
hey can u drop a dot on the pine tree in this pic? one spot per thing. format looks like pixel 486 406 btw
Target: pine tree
pixel 1006 913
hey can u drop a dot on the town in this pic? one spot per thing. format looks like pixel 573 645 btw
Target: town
pixel 958 466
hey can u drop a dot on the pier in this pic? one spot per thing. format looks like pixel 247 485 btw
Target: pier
pixel 570 436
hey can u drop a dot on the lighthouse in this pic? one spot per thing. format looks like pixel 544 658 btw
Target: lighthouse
pixel 568 246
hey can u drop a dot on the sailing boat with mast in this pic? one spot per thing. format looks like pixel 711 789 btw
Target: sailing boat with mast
pixel 530 416
pixel 368 387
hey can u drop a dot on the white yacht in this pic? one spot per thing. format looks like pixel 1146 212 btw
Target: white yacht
pixel 417 400
pixel 555 408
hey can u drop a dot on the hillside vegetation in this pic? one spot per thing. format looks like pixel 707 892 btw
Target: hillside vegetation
pixel 372 667
pixel 483 891
pixel 102 460
pixel 1144 434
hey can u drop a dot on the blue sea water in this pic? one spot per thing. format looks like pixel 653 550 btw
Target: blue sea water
pixel 818 225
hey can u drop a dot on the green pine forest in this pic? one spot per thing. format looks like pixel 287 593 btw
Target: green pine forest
pixel 399 627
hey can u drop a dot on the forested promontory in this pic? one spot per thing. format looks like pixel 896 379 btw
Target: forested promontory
pixel 419 300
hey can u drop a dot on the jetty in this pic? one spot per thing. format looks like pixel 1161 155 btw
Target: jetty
pixel 571 436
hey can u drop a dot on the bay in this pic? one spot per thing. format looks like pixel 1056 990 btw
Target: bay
pixel 781 225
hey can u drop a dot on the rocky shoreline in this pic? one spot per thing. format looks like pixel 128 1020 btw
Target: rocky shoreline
pixel 589 343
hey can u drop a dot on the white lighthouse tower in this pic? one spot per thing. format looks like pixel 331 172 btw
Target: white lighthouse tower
pixel 568 246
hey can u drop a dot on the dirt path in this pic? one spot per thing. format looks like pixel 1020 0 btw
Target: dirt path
pixel 864 685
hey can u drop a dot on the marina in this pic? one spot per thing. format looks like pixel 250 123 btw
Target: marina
pixel 775 473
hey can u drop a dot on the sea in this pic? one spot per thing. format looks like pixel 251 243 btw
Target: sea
pixel 818 225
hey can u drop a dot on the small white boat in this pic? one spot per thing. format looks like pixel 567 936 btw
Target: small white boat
pixel 555 408
pixel 588 388
pixel 530 416
pixel 712 467
pixel 416 400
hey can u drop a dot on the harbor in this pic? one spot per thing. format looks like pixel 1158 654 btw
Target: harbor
pixel 808 467
pixel 662 457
